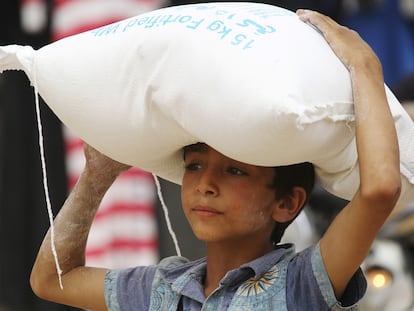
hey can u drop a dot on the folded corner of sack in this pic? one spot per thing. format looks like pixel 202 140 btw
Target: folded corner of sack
pixel 16 57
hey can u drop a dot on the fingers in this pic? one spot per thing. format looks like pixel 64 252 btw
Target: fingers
pixel 346 43
pixel 326 25
pixel 317 19
pixel 314 17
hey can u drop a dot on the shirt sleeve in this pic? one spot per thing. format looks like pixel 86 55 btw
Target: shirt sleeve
pixel 129 289
pixel 309 287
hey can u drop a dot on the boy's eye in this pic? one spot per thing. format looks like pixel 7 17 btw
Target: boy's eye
pixel 192 166
pixel 235 171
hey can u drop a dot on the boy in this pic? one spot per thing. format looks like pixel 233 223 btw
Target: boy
pixel 233 207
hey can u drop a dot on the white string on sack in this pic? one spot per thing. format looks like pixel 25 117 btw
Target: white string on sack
pixel 45 185
pixel 166 215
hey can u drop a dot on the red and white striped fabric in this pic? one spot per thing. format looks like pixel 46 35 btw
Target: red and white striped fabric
pixel 124 232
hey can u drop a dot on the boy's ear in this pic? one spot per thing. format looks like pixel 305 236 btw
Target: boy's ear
pixel 289 206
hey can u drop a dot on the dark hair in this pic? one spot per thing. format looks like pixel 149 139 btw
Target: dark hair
pixel 286 178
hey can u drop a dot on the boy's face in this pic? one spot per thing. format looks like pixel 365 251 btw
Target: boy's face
pixel 226 200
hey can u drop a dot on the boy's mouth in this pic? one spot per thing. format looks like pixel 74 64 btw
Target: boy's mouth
pixel 206 211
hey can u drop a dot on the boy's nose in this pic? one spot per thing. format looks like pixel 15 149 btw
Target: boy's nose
pixel 207 184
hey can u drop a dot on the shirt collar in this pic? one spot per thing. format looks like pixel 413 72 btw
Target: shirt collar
pixel 195 270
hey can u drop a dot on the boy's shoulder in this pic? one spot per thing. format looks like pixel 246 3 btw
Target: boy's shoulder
pixel 174 267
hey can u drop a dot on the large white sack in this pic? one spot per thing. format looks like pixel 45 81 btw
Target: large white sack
pixel 249 79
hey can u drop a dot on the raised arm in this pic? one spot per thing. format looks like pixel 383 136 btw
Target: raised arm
pixel 349 238
pixel 83 287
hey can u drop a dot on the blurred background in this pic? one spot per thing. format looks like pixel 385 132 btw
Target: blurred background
pixel 130 228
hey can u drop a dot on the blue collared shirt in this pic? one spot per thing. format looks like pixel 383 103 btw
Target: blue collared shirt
pixel 280 280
